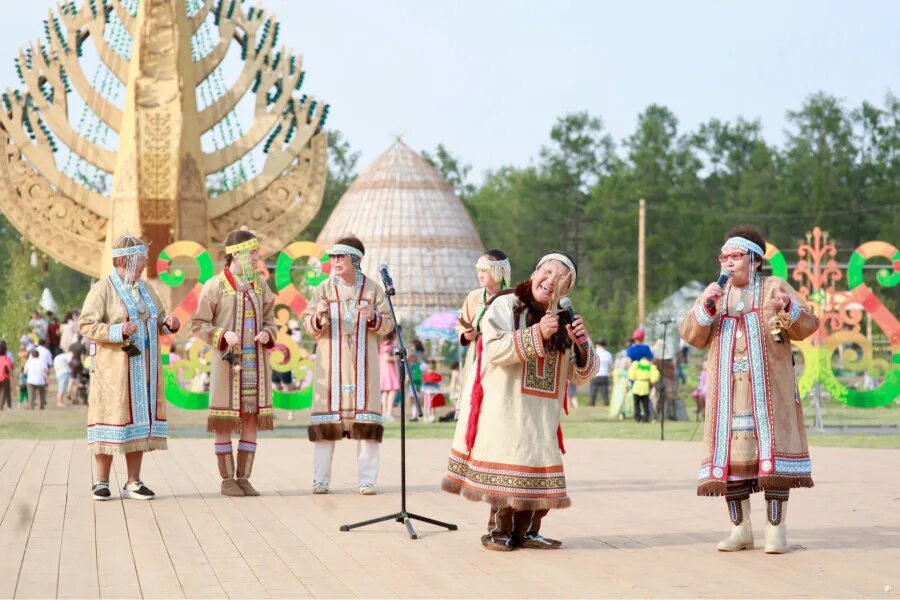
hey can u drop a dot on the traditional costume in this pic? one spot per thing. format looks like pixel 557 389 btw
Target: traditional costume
pixel 346 392
pixel 470 317
pixel 507 450
pixel 240 380
pixel 754 432
pixel 126 407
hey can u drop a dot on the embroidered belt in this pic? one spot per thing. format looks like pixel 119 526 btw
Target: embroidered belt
pixel 740 365
pixel 348 388
pixel 743 423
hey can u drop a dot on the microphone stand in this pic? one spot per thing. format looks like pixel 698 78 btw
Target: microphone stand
pixel 403 516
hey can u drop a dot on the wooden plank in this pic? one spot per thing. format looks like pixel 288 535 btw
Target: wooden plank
pixel 58 468
pixel 19 515
pixel 116 572
pixel 19 453
pixel 195 574
pixel 45 538
pixel 275 577
pixel 232 572
pixel 155 570
pixel 78 553
pixel 7 448
pixel 327 568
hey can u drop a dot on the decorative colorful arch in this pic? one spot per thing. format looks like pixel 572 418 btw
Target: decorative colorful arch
pixel 287 356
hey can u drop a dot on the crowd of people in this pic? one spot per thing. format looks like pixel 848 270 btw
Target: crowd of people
pixel 49 353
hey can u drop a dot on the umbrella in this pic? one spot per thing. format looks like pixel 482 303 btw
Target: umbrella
pixel 439 326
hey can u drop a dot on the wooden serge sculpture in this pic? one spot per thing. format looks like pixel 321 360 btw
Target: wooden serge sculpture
pixel 155 176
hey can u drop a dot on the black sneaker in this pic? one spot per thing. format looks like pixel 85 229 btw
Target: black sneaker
pixel 136 490
pixel 100 490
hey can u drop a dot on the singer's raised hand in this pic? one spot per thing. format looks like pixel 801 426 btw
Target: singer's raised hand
pixel 712 292
pixel 577 330
pixel 548 326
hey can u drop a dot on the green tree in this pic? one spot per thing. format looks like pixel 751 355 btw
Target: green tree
pixel 452 169
pixel 20 286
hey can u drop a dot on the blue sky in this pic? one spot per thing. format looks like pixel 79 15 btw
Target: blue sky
pixel 488 78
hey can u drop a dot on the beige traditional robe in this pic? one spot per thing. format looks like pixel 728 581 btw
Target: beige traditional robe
pixel 751 391
pixel 226 305
pixel 347 394
pixel 126 405
pixel 516 460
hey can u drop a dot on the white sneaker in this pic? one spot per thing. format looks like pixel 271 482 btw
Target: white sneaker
pixel 320 488
pixel 136 490
pixel 367 489
pixel 100 491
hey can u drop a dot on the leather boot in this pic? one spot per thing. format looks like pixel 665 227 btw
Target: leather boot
pixel 526 530
pixel 776 529
pixel 245 467
pixel 500 531
pixel 226 470
pixel 741 537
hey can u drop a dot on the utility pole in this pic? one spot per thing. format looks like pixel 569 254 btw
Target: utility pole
pixel 642 249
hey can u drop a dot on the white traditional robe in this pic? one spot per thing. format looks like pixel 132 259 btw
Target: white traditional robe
pixel 516 459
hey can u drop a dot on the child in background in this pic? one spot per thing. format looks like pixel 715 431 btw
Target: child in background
pixel 431 391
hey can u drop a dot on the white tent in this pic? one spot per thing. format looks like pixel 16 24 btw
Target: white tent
pixel 670 310
pixel 47 301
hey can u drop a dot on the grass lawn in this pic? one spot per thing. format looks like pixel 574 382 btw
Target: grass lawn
pixel 585 422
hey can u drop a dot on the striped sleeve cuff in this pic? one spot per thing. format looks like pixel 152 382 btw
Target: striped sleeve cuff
pixel 217 338
pixel 375 323
pixel 590 365
pixel 115 333
pixel 528 343
pixel 313 325
pixel 703 318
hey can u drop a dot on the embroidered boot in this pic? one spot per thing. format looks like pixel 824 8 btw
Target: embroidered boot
pixel 226 470
pixel 246 452
pixel 526 531
pixel 741 537
pixel 776 529
pixel 500 534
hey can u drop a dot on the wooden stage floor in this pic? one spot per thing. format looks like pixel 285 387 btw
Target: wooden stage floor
pixel 636 529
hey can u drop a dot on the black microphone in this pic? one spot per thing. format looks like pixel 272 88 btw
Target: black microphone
pixel 724 276
pixel 386 280
pixel 566 305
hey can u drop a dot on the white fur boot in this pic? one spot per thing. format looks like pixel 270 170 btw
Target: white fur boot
pixel 741 537
pixel 776 535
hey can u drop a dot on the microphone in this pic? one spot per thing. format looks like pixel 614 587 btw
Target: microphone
pixel 386 280
pixel 566 305
pixel 724 276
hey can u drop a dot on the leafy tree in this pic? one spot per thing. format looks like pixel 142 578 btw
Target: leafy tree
pixel 452 169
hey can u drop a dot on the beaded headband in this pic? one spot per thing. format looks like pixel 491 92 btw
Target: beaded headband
pixel 743 244
pixel 500 270
pixel 344 249
pixel 140 250
pixel 248 246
